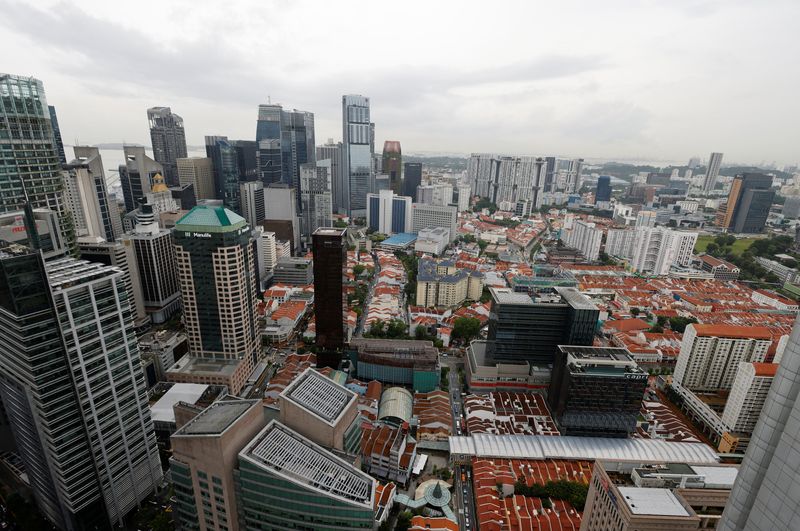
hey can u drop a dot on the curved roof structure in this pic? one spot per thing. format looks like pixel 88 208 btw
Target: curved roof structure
pixel 590 448
pixel 397 405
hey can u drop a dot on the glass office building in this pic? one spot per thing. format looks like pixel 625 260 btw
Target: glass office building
pixel 357 155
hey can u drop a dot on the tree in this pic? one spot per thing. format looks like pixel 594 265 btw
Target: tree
pixel 679 324
pixel 672 223
pixel 656 329
pixel 486 295
pixel 466 328
pixel 339 224
pixel 635 311
pixel 358 269
pixel 483 244
pixel 661 320
pixel 712 249
pixel 403 521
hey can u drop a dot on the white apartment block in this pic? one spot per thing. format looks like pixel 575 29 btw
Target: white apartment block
pixel 656 249
pixel 440 194
pixel 710 354
pixel 619 243
pixel 585 237
pixel 748 394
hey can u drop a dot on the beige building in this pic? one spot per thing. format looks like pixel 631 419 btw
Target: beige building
pixel 443 284
pixel 322 410
pixel 656 497
pixel 199 172
pixel 204 457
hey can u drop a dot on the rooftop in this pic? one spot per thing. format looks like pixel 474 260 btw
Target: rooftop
pixel 288 454
pixel 400 240
pixel 210 219
pixel 319 395
pixel 649 501
pixel 765 369
pixel 210 366
pixel 508 296
pixel 575 298
pixel 162 410
pixel 733 332
pixel 216 418
pixel 330 231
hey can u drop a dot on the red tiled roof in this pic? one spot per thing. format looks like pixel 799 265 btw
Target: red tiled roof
pixel 627 325
pixel 733 332
pixel 765 369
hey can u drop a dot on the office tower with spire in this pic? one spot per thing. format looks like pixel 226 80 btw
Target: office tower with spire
pixel 357 144
pixel 712 172
pixel 765 495
pixel 59 144
pixel 156 265
pixel 392 165
pixel 73 389
pixel 284 142
pixel 168 139
pixel 136 175
pixel 332 151
pixel 216 265
pixel 87 197
pixel 28 152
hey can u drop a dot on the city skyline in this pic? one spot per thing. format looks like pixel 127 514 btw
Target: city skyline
pixel 614 92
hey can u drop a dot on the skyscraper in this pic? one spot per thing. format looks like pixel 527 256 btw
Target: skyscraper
pixel 93 213
pixel 712 172
pixel 393 165
pixel 389 213
pixel 62 156
pixel 136 175
pixel 512 179
pixel 764 497
pixel 252 202
pixel 168 139
pixel 228 171
pixel 412 177
pixel 603 193
pixel 73 389
pixel 357 143
pixel 28 152
pixel 284 142
pixel 330 253
pixel 315 198
pixel 748 204
pixel 333 152
pixel 199 172
pixel 216 266
pixel 268 143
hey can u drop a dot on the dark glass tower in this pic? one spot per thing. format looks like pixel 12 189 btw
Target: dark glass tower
pixel 330 256
pixel 168 139
pixel 393 165
pixel 752 202
pixel 284 142
pixel 229 169
pixel 603 189
pixel 62 156
pixel 357 141
pixel 412 177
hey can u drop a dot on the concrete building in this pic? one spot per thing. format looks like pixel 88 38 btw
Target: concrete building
pixel 199 172
pixel 358 149
pixel 295 271
pixel 412 178
pixel 156 264
pixel 396 361
pixel 791 207
pixel 580 375
pixel 281 203
pixel 267 258
pixel 620 243
pixel 285 481
pixel 388 213
pixel 392 165
pixel 432 241
pixel 712 172
pixel 748 395
pixel 657 249
pixel 168 140
pixel 432 216
pixel 316 198
pixel 72 389
pixel 646 218
pixel 439 194
pixel 443 284
pixel 136 175
pixel 330 258
pixel 388 453
pixel 164 347
pixel 502 178
pixel 332 152
pixel 721 269
pixel 216 266
pixel 653 497
pixel 15 228
pixel 87 197
pixel 322 410
pixel 586 238
pixel 710 354
pixel 204 458
pixel 252 202
pixel 748 205
pixel 763 497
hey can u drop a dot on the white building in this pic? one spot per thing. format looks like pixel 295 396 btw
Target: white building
pixel 267 254
pixel 252 202
pixel 94 212
pixel 463 192
pixel 619 243
pixel 432 241
pixel 513 179
pixel 710 354
pixel 388 213
pixel 440 194
pixel 585 237
pixel 432 216
pixel 656 249
pixel 316 197
pixel 748 394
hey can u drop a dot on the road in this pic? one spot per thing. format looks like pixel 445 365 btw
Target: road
pixel 463 496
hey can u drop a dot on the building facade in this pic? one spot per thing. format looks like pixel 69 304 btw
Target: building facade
pixel 199 172
pixel 412 177
pixel 330 256
pixel 432 216
pixel 748 204
pixel 136 175
pixel 358 148
pixel 316 198
pixel 748 395
pixel 586 238
pixel 332 151
pixel 388 213
pixel 712 172
pixel 392 165
pixel 168 139
pixel 87 196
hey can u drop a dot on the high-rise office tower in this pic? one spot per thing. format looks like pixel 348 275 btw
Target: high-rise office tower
pixel 764 497
pixel 87 196
pixel 315 198
pixel 748 204
pixel 388 213
pixel 216 266
pixel 357 142
pixel 330 257
pixel 412 178
pixel 228 171
pixel 333 152
pixel 393 165
pixel 284 142
pixel 73 389
pixel 62 156
pixel 246 152
pixel 282 218
pixel 268 143
pixel 199 172
pixel 523 329
pixel 433 216
pixel 603 192
pixel 156 265
pixel 28 152
pixel 252 203
pixel 168 139
pixel 712 172
pixel 136 175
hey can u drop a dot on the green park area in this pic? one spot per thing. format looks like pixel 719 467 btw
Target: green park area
pixel 737 248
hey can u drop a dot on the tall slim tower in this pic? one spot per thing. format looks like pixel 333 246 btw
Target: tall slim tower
pixel 712 172
pixel 87 196
pixel 216 266
pixel 284 142
pixel 168 139
pixel 764 496
pixel 62 156
pixel 73 389
pixel 330 256
pixel 28 152
pixel 315 198
pixel 333 152
pixel 393 165
pixel 357 153
pixel 136 175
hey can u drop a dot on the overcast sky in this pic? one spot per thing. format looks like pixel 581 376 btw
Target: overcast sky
pixel 653 80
